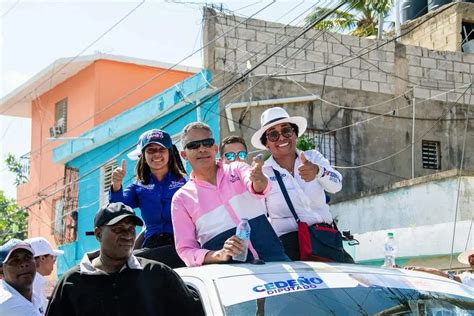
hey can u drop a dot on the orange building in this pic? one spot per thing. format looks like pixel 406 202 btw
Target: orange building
pixel 69 97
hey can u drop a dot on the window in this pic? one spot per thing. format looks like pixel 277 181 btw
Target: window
pixel 467 35
pixel 60 116
pixel 430 151
pixel 65 209
pixel 106 181
pixel 325 143
pixel 58 217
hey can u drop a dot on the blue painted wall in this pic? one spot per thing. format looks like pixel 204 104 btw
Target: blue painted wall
pixel 88 163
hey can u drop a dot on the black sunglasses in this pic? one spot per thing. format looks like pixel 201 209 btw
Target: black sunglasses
pixel 231 156
pixel 208 143
pixel 274 135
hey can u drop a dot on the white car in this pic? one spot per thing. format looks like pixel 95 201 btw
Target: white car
pixel 315 288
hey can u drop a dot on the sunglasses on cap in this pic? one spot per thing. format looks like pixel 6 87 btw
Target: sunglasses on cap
pixel 231 156
pixel 274 135
pixel 208 143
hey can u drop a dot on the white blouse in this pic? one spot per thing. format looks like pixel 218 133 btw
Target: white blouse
pixel 308 198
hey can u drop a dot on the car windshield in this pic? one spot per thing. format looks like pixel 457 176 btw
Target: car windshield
pixel 311 293
pixel 356 301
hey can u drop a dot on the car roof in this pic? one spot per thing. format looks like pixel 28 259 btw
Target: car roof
pixel 237 283
pixel 219 271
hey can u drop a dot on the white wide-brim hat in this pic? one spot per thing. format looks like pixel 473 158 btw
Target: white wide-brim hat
pixel 275 116
pixel 464 256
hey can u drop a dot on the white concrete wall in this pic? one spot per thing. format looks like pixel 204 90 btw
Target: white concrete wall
pixel 420 213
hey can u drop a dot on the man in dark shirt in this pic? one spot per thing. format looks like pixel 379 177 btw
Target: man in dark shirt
pixel 111 281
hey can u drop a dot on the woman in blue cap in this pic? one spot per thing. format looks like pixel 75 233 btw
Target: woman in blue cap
pixel 159 174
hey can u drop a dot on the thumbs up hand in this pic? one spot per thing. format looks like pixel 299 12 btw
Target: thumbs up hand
pixel 307 170
pixel 259 181
pixel 118 175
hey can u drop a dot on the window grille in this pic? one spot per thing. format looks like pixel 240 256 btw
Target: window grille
pixel 325 143
pixel 58 217
pixel 431 156
pixel 65 209
pixel 106 181
pixel 60 118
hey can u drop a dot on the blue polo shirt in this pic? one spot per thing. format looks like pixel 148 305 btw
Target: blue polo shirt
pixel 154 201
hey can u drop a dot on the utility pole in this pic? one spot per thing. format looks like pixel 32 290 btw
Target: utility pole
pixel 413 140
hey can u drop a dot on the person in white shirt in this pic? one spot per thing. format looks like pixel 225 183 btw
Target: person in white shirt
pixel 17 297
pixel 467 257
pixel 467 277
pixel 45 257
pixel 306 175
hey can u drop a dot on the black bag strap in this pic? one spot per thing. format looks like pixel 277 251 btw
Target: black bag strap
pixel 285 194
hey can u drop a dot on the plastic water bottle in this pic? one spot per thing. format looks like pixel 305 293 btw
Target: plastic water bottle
pixel 390 251
pixel 243 232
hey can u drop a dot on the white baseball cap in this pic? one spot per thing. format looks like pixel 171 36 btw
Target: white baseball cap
pixel 42 247
pixel 9 247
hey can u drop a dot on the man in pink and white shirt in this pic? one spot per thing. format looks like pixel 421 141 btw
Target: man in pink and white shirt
pixel 207 209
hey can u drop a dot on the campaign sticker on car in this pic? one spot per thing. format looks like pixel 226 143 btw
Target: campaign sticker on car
pixel 301 283
pixel 233 290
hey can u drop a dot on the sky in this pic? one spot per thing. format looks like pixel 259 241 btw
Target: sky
pixel 35 33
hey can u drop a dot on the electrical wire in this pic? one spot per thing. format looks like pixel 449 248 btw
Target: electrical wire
pixel 83 50
pixel 154 77
pixel 343 60
pixel 10 9
pixel 406 147
pixel 227 88
pixel 224 34
pixel 356 109
pixel 461 167
pixel 159 74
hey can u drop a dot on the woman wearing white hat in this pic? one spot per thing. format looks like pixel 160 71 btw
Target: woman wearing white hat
pixel 306 176
pixel 467 257
pixel 159 174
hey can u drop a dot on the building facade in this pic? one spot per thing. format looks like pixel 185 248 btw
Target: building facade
pixel 101 149
pixel 381 111
pixel 64 100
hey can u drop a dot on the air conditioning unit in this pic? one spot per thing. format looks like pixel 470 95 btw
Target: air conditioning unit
pixel 58 129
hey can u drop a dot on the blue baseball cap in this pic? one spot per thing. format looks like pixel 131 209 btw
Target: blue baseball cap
pixel 153 136
pixel 10 246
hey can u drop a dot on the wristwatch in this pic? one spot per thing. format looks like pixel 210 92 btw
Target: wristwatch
pixel 450 275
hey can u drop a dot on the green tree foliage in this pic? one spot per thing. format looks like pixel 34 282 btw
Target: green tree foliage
pixel 357 17
pixel 13 220
pixel 305 142
pixel 14 166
